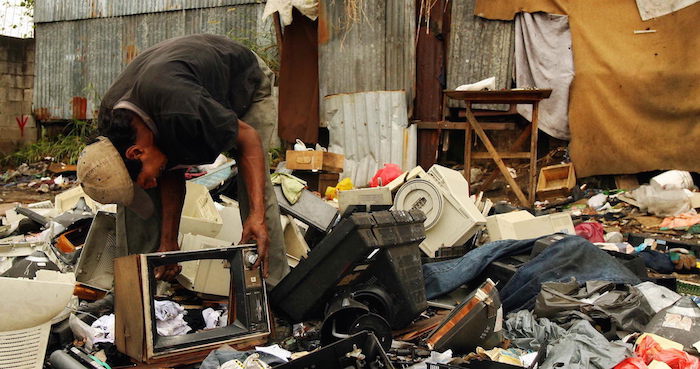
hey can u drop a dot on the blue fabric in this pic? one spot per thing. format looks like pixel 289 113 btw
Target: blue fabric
pixel 658 261
pixel 572 256
pixel 445 276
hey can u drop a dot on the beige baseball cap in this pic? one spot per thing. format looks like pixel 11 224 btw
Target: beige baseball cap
pixel 104 177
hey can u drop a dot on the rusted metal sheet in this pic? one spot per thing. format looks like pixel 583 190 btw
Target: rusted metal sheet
pixel 370 49
pixel 431 50
pixel 478 48
pixel 371 129
pixel 65 10
pixel 81 59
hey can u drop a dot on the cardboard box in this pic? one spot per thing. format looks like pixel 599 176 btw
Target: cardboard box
pixel 315 160
pixel 318 181
pixel 556 181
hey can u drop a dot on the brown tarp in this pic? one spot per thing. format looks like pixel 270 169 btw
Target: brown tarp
pixel 635 100
pixel 298 100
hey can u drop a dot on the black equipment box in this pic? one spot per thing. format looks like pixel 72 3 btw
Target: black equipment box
pixel 351 352
pixel 379 248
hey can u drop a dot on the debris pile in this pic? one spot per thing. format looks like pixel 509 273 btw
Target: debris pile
pixel 414 273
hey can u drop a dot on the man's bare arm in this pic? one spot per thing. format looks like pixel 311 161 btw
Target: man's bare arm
pixel 251 160
pixel 172 195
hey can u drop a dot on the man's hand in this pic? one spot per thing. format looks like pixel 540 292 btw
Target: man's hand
pixel 255 229
pixel 168 272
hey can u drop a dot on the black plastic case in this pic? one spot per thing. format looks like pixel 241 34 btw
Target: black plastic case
pixel 379 248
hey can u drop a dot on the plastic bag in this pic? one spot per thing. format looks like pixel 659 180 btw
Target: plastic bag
pixel 385 175
pixel 631 363
pixel 344 185
pixel 660 202
pixel 649 350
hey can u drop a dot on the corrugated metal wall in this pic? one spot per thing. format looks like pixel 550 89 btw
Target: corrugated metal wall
pixel 375 53
pixel 76 61
pixel 63 10
pixel 478 48
pixel 371 129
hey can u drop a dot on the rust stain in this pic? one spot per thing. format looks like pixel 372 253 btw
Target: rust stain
pixel 42 114
pixel 130 52
pixel 323 32
pixel 79 105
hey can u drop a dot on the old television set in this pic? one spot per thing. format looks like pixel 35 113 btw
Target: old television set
pixel 136 333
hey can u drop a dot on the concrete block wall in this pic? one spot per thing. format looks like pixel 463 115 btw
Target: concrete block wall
pixel 16 92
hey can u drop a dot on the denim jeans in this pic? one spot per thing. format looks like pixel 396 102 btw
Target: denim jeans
pixel 571 256
pixel 445 276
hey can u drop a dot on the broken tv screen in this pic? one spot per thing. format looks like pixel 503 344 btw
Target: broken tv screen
pixel 202 305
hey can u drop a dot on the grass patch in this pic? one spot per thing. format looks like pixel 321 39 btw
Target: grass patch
pixel 64 148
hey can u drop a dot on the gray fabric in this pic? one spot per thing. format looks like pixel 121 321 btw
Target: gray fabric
pixel 659 297
pixel 527 333
pixel 624 306
pixel 679 322
pixel 582 347
pixel 226 353
pixel 139 236
pixel 543 59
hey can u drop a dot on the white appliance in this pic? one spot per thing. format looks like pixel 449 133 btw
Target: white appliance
pixel 521 225
pixel 443 195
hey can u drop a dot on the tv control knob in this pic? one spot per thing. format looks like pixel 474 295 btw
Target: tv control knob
pixel 250 258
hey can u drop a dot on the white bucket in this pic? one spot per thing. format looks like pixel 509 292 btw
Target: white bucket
pixel 672 179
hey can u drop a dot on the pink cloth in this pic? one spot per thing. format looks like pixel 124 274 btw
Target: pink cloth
pixel 681 221
pixel 593 232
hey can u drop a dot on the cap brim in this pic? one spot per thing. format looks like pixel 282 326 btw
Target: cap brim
pixel 141 204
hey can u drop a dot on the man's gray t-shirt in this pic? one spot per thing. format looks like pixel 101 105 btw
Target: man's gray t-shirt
pixel 194 89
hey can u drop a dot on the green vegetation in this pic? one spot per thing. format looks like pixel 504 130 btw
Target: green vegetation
pixel 63 148
pixel 262 43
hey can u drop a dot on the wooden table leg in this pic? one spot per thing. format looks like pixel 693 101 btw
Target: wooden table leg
pixel 494 154
pixel 533 154
pixel 517 146
pixel 468 154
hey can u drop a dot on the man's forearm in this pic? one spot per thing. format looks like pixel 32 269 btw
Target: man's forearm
pixel 251 160
pixel 172 194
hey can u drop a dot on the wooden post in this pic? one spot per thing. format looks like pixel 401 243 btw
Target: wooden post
pixel 533 154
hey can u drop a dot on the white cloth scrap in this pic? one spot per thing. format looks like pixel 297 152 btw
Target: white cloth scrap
pixel 166 310
pixel 308 8
pixel 214 318
pixel 170 319
pixel 103 329
pixel 275 350
pixel 649 9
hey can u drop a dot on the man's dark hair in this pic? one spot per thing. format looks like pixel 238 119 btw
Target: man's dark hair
pixel 115 124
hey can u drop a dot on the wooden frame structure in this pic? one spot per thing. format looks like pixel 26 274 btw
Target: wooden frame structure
pixel 512 98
